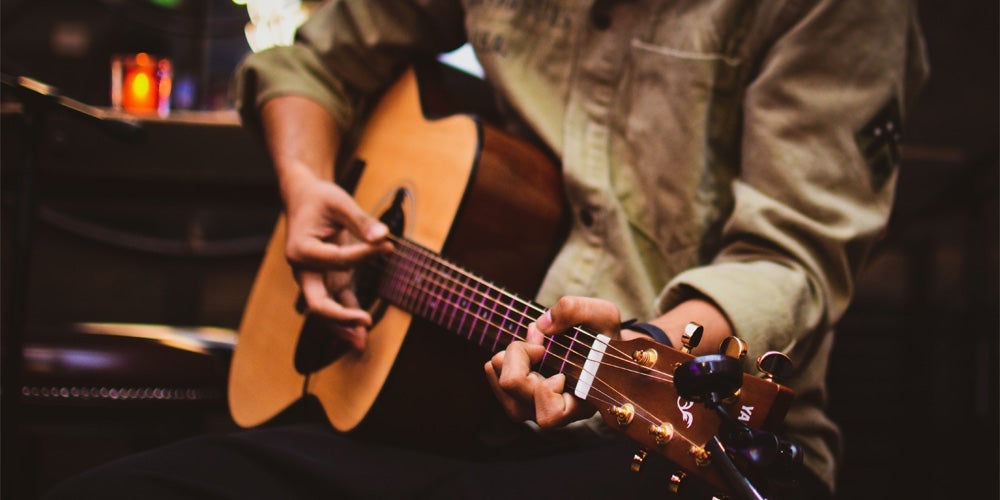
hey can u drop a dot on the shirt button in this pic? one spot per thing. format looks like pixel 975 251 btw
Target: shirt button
pixel 586 218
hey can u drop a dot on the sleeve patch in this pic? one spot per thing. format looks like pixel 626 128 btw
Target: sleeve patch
pixel 879 142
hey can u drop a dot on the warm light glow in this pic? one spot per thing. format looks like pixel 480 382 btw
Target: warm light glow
pixel 141 83
pixel 139 95
pixel 140 86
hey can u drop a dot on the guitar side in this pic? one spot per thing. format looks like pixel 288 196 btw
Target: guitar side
pixel 262 382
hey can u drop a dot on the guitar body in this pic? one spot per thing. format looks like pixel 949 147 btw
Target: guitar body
pixel 485 200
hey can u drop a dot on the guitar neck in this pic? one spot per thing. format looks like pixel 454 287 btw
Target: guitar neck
pixel 423 283
pixel 633 392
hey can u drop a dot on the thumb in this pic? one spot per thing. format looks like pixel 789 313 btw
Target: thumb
pixel 553 407
pixel 363 225
pixel 358 222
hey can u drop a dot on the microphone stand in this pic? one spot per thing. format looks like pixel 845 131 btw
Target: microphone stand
pixel 37 101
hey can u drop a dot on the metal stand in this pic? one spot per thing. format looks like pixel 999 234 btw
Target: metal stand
pixel 37 101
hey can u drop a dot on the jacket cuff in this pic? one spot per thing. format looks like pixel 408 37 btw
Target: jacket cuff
pixel 765 302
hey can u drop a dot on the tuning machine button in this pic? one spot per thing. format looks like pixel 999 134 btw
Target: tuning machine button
pixel 662 433
pixel 734 347
pixel 691 337
pixel 775 366
pixel 624 413
pixel 702 457
pixel 676 480
pixel 645 358
pixel 637 460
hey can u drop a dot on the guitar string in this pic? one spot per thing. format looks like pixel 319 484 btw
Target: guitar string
pixel 641 370
pixel 501 329
pixel 434 258
pixel 600 386
pixel 646 415
pixel 609 399
pixel 439 261
pixel 602 395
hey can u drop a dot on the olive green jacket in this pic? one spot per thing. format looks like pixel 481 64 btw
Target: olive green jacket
pixel 743 151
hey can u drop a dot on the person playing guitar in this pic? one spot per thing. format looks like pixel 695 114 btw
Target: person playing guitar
pixel 724 168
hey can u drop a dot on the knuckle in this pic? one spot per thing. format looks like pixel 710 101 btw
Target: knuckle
pixel 508 384
pixel 566 304
pixel 546 420
pixel 293 252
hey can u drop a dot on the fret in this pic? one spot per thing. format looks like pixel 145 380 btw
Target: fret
pixel 445 283
pixel 505 324
pixel 565 354
pixel 522 324
pixel 475 316
pixel 569 350
pixel 484 311
pixel 414 292
pixel 406 279
pixel 392 286
pixel 548 348
pixel 455 302
pixel 463 304
pixel 427 287
pixel 489 318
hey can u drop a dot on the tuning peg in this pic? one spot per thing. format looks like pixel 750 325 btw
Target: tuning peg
pixel 734 347
pixel 692 336
pixel 637 460
pixel 623 414
pixel 675 481
pixel 774 365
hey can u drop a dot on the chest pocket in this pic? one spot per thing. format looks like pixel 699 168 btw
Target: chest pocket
pixel 679 132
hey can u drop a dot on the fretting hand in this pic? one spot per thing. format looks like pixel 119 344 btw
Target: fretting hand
pixel 523 392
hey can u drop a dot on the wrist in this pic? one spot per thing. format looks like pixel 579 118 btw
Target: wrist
pixel 650 329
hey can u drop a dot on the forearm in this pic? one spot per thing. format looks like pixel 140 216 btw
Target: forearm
pixel 302 139
pixel 699 311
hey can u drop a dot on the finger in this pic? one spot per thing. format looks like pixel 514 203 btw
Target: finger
pixel 553 406
pixel 516 377
pixel 597 314
pixel 318 301
pixel 317 253
pixel 358 222
pixel 357 336
pixel 496 362
pixel 517 410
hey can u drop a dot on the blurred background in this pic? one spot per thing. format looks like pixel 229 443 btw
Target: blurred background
pixel 162 231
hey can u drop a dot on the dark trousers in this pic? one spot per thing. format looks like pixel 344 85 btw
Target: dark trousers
pixel 307 461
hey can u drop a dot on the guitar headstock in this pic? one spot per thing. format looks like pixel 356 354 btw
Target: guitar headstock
pixel 634 391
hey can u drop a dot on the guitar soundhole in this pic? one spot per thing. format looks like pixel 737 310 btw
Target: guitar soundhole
pixel 368 276
pixel 317 346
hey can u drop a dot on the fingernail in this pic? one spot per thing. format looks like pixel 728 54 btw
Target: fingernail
pixel 545 321
pixel 377 232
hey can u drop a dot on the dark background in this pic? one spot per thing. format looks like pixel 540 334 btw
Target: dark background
pixel 170 231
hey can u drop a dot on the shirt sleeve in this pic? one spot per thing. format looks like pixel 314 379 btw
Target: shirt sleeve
pixel 347 51
pixel 818 167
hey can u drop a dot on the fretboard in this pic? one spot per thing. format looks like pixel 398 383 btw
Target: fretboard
pixel 426 285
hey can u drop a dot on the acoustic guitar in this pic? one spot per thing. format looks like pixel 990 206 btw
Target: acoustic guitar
pixel 459 194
